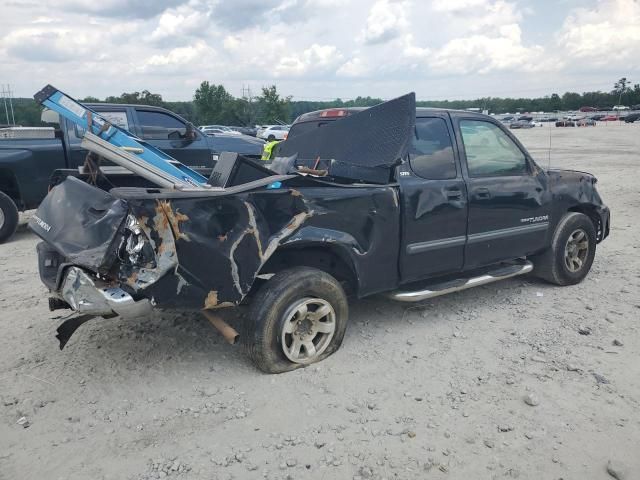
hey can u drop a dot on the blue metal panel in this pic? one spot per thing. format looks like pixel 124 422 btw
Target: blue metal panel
pixel 77 113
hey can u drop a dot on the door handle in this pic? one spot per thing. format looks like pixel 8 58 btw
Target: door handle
pixel 454 194
pixel 483 192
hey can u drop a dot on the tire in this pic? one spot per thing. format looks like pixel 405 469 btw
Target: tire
pixel 558 264
pixel 277 308
pixel 8 217
pixel 271 138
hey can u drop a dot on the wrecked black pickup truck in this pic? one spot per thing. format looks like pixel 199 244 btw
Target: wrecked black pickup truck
pixel 412 203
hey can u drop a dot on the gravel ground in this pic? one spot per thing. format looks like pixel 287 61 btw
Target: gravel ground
pixel 492 382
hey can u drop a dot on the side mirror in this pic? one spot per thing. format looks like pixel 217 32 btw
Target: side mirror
pixel 190 135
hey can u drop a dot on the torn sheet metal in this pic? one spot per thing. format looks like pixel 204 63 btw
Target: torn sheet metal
pixel 209 250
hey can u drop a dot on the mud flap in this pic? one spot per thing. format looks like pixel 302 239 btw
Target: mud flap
pixel 69 326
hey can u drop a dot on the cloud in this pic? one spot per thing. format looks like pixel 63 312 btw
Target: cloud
pixel 355 67
pixel 47 45
pixel 243 14
pixel 460 6
pixel 181 56
pixel 608 35
pixel 484 54
pixel 386 21
pixel 312 48
pixel 142 9
pixel 178 24
pixel 316 59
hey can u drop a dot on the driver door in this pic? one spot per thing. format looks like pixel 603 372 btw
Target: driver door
pixel 509 199
pixel 168 133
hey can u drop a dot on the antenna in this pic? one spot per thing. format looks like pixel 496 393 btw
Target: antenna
pixel 549 152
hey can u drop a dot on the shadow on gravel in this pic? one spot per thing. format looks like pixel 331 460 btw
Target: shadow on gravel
pixel 188 342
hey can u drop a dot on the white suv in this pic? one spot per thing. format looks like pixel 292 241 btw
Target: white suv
pixel 274 132
pixel 209 129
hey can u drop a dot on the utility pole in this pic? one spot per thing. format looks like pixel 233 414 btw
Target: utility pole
pixel 13 119
pixel 246 93
pixel 7 99
pixel 4 100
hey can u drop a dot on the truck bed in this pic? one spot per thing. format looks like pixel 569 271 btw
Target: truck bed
pixel 26 165
pixel 206 250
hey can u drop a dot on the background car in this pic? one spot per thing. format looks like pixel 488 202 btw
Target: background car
pixel 219 129
pixel 586 122
pixel 565 123
pixel 251 131
pixel 632 117
pixel 609 118
pixel 211 130
pixel 274 132
pixel 521 124
pixel 620 107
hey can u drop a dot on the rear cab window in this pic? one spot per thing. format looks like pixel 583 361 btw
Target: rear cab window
pixel 431 155
pixel 118 118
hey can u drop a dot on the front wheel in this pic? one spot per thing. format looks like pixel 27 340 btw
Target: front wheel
pixel 297 318
pixel 8 217
pixel 573 247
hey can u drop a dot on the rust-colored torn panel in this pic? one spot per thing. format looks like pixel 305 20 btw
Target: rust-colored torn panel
pixel 175 218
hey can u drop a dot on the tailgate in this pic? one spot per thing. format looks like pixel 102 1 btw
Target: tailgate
pixel 81 222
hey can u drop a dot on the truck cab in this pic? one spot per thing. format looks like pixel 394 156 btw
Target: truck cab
pixel 471 194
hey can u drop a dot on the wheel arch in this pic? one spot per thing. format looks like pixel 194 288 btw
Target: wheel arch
pixel 592 212
pixel 330 258
pixel 9 185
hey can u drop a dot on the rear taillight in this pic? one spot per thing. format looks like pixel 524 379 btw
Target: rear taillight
pixel 334 113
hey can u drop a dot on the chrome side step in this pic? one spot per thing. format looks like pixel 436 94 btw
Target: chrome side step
pixel 462 284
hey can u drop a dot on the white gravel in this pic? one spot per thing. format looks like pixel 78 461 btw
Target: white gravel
pixel 427 391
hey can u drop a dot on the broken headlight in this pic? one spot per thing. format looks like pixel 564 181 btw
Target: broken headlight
pixel 135 247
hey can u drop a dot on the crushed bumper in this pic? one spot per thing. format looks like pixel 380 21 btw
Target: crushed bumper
pixel 86 296
pixel 605 223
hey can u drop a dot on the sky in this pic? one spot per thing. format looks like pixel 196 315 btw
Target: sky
pixel 320 49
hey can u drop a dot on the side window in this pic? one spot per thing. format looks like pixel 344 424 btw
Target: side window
pixel 431 155
pixel 159 125
pixel 118 119
pixel 490 152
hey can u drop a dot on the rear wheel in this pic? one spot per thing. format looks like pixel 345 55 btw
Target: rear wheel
pixel 271 138
pixel 297 318
pixel 572 251
pixel 8 217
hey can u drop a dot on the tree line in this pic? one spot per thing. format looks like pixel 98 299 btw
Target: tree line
pixel 213 104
